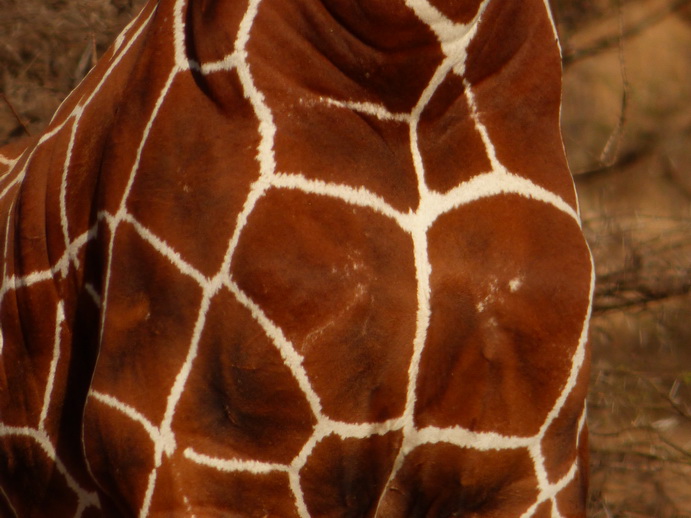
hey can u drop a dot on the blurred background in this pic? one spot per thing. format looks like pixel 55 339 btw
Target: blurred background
pixel 627 129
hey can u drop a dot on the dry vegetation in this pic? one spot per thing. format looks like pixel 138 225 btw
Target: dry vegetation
pixel 627 128
pixel 46 48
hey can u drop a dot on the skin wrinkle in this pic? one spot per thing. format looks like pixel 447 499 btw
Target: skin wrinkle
pixel 358 60
pixel 360 14
pixel 337 261
pixel 482 47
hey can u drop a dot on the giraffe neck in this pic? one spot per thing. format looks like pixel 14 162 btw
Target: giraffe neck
pixel 352 283
pixel 380 52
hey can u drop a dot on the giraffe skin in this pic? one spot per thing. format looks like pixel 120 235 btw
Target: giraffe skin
pixel 293 258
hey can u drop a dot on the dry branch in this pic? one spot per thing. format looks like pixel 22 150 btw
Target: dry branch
pixel 609 41
pixel 16 115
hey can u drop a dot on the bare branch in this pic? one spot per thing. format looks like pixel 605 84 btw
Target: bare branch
pixel 16 115
pixel 607 42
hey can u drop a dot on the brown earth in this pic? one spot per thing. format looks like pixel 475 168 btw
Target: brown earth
pixel 633 173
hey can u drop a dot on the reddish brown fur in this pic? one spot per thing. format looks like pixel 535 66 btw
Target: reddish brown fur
pixel 338 281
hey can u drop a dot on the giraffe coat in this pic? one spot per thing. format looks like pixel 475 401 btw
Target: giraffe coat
pixel 298 258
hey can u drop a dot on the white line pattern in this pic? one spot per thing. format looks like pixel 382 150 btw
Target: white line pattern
pixel 454 40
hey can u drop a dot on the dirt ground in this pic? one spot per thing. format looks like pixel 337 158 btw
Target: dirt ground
pixel 627 130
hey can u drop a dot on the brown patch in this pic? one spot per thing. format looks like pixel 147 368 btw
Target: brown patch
pixel 36 210
pixel 106 509
pixel 241 401
pixel 522 121
pixel 28 334
pixel 344 477
pixel 120 455
pixel 339 146
pixel 385 25
pixel 25 470
pixel 304 47
pixel 216 493
pixel 17 380
pixel 459 12
pixel 73 378
pixel 195 162
pixel 444 480
pixel 82 175
pixel 451 148
pixel 151 68
pixel 206 38
pixel 39 339
pixel 560 441
pixel 151 309
pixel 339 281
pixel 95 141
pixel 571 500
pixel 496 357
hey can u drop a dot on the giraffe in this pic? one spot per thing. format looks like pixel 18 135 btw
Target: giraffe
pixel 299 258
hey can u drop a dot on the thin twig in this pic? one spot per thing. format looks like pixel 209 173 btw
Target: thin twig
pixel 610 41
pixel 664 395
pixel 94 51
pixel 16 115
pixel 648 429
pixel 610 151
pixel 624 453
